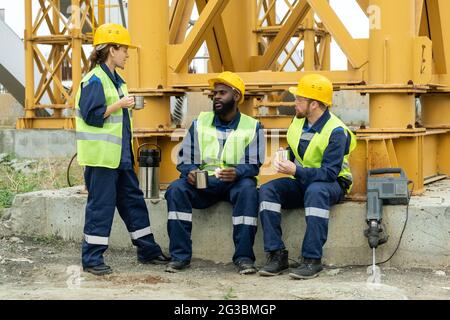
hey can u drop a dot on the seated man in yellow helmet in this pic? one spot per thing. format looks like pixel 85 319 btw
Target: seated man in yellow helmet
pixel 228 145
pixel 319 145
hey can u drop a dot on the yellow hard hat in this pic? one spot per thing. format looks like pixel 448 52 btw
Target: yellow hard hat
pixel 112 33
pixel 230 79
pixel 316 87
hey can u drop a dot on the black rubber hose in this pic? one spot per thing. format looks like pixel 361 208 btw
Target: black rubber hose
pixel 68 170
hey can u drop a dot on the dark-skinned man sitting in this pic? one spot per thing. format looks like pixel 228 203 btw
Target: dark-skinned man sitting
pixel 230 146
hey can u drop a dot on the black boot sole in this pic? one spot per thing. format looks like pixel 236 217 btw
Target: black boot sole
pixel 299 277
pixel 173 270
pixel 98 272
pixel 264 273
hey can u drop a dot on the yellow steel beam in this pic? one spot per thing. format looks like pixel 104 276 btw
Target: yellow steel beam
pixel 76 51
pixel 355 55
pixel 40 17
pixel 325 53
pixel 179 19
pixel 420 11
pixel 47 18
pixel 29 59
pixel 56 81
pixel 217 43
pixel 364 5
pixel 43 72
pixel 266 79
pixel 45 81
pixel 179 53
pixel 289 54
pixel 435 16
pixel 172 9
pixel 310 43
pixel 58 57
pixel 101 12
pixel 269 12
pixel 279 43
pixel 147 68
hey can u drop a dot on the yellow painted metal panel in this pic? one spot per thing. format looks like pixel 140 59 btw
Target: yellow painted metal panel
pixel 443 154
pixel 430 149
pixel 409 152
pixel 391 42
pixel 358 166
pixel 436 110
pixel 423 60
pixel 389 110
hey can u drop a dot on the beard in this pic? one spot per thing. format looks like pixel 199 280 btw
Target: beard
pixel 226 108
pixel 304 114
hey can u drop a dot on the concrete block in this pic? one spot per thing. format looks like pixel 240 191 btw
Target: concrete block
pixel 425 243
pixel 38 144
pixel 7 141
pixel 45 144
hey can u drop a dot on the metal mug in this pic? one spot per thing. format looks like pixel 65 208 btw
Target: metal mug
pixel 139 102
pixel 283 155
pixel 201 178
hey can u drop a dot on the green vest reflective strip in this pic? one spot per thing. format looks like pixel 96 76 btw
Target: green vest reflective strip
pixel 110 119
pixel 101 147
pixel 234 148
pixel 318 143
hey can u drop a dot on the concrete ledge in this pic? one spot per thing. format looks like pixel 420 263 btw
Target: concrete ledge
pixel 426 240
pixel 37 144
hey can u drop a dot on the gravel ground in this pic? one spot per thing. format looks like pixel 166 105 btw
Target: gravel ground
pixel 48 269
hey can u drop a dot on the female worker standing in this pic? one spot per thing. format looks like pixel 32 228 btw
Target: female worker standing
pixel 104 146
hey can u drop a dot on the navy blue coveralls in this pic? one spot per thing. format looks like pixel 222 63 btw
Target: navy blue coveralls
pixel 315 189
pixel 111 188
pixel 242 194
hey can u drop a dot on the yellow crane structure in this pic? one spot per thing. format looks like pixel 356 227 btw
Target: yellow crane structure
pixel 407 55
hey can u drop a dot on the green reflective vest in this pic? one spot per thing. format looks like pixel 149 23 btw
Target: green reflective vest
pixel 234 148
pixel 101 147
pixel 318 144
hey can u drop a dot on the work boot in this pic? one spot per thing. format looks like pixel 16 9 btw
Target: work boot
pixel 246 267
pixel 277 263
pixel 175 266
pixel 162 259
pixel 100 270
pixel 296 263
pixel 308 269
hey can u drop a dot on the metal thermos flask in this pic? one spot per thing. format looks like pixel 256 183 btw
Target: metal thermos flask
pixel 149 160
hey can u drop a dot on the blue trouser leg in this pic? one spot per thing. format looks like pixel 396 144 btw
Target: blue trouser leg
pixel 319 197
pixel 243 195
pixel 133 211
pixel 284 192
pixel 100 207
pixel 181 198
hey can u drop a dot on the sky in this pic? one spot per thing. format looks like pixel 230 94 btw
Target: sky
pixel 348 10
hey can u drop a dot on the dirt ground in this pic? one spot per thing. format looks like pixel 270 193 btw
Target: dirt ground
pixel 46 268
